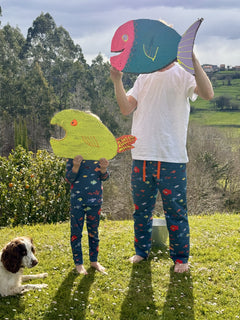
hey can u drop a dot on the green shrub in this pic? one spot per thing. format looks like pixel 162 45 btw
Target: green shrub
pixel 32 188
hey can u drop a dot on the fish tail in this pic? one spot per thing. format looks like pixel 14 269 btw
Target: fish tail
pixel 125 143
pixel 185 47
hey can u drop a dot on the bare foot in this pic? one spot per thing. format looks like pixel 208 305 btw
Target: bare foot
pixel 181 267
pixel 136 259
pixel 98 267
pixel 80 269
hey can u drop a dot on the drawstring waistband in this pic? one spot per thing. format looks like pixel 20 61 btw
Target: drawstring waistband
pixel 158 170
pixel 144 170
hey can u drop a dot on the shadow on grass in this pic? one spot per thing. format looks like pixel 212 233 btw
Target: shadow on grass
pixel 225 125
pixel 159 252
pixel 68 302
pixel 11 307
pixel 139 302
pixel 179 302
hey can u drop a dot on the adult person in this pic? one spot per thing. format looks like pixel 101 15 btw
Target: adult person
pixel 160 105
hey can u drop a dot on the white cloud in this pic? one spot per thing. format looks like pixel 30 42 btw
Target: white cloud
pixel 92 23
pixel 217 50
pixel 95 43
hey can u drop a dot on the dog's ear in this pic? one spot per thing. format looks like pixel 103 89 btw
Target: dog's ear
pixel 21 247
pixel 12 255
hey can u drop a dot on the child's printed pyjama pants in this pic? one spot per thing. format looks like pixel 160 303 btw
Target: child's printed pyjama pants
pixel 78 214
pixel 149 177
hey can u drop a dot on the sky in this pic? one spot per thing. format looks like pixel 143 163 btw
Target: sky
pixel 92 23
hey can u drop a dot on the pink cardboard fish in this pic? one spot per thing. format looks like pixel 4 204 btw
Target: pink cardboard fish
pixel 149 45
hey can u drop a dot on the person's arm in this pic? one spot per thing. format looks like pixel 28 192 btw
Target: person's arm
pixel 126 104
pixel 76 163
pixel 104 163
pixel 72 168
pixel 204 87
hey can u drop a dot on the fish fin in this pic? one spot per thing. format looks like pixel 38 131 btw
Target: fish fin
pixel 185 47
pixel 90 141
pixel 125 143
pixel 153 57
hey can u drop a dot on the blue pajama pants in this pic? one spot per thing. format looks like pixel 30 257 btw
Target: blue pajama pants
pixel 149 177
pixel 78 214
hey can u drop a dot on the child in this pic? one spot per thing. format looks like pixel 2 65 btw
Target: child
pixel 85 177
pixel 160 105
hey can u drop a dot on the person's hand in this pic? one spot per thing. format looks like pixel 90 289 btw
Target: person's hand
pixel 115 74
pixel 76 163
pixel 103 163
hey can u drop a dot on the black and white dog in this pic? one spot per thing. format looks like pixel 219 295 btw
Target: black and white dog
pixel 16 255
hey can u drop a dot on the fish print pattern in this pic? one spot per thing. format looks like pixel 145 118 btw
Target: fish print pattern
pixel 171 183
pixel 86 201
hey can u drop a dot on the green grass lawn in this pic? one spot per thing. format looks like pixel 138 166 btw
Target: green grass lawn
pixel 205 115
pixel 232 92
pixel 217 118
pixel 229 90
pixel 149 290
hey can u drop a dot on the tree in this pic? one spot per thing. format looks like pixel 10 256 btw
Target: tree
pixel 105 105
pixel 41 103
pixel 221 103
pixel 20 133
pixel 59 58
pixel 48 44
pixel 45 73
pixel 11 68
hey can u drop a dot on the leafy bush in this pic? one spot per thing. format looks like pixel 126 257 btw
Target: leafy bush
pixel 32 188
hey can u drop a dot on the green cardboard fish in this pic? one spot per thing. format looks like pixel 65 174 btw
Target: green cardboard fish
pixel 85 134
pixel 147 45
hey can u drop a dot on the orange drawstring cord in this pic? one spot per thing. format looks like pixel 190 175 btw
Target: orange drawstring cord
pixel 158 170
pixel 144 170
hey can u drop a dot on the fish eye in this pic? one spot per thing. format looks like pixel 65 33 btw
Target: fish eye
pixel 125 37
pixel 74 122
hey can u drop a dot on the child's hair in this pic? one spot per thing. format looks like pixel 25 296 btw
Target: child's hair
pixel 92 114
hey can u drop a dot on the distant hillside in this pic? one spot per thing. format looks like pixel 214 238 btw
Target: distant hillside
pixel 227 84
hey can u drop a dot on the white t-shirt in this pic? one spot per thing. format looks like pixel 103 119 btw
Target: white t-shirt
pixel 160 121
